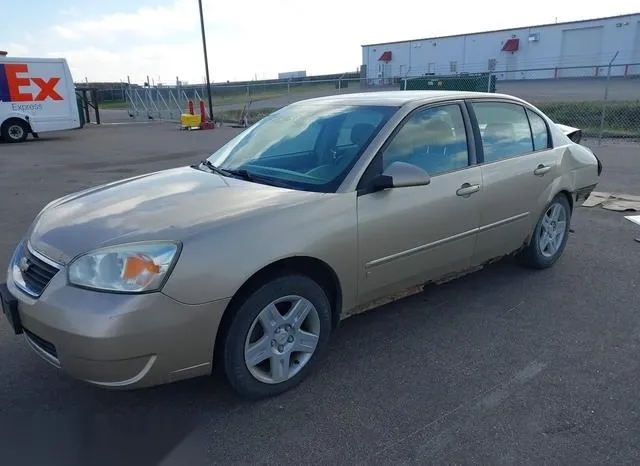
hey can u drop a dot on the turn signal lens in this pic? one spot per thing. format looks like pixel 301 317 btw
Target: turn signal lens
pixel 135 266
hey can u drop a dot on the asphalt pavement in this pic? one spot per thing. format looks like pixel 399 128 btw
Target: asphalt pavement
pixel 502 366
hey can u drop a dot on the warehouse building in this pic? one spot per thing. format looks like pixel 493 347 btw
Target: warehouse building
pixel 571 49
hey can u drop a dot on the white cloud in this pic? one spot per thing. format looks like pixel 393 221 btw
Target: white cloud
pixel 16 50
pixel 71 11
pixel 164 41
pixel 151 22
pixel 66 32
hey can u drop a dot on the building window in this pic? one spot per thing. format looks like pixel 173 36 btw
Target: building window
pixel 453 67
pixel 492 64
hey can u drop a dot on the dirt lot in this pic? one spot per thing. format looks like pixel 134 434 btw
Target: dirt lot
pixel 504 366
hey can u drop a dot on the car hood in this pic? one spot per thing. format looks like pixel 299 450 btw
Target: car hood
pixel 168 205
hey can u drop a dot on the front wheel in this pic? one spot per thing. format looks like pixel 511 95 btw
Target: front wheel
pixel 14 130
pixel 550 235
pixel 277 334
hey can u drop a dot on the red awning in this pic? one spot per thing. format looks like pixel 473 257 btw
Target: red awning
pixel 511 45
pixel 386 56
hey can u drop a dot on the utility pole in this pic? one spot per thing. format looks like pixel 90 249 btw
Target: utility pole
pixel 206 61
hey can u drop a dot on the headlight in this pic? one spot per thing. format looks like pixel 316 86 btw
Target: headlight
pixel 129 268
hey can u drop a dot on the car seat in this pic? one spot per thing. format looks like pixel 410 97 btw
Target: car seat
pixel 359 135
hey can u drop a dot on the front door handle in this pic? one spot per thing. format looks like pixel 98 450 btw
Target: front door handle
pixel 468 189
pixel 541 170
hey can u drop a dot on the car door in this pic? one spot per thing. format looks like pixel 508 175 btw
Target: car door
pixel 410 235
pixel 518 168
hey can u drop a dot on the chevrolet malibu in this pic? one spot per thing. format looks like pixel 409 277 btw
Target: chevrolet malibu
pixel 247 261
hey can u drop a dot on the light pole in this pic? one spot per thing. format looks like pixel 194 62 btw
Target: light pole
pixel 206 61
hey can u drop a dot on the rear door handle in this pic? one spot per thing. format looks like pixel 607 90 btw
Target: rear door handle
pixel 541 170
pixel 468 189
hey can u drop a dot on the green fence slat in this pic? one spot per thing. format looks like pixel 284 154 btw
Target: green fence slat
pixel 478 82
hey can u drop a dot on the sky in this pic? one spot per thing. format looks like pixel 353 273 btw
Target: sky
pixel 116 40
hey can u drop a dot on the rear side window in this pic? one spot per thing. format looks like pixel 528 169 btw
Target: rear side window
pixel 539 131
pixel 504 128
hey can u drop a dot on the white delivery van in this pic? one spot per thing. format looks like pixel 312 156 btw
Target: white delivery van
pixel 36 95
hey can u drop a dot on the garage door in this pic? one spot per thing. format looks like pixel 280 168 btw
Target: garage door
pixel 581 47
pixel 635 57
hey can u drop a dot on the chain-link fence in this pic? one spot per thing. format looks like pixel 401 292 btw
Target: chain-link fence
pixel 234 102
pixel 604 101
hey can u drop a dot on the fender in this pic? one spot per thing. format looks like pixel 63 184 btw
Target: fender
pixel 21 116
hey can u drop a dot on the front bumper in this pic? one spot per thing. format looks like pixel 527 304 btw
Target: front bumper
pixel 118 340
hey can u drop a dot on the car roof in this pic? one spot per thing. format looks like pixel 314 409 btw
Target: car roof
pixel 399 98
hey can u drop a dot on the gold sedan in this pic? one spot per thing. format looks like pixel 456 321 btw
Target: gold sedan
pixel 248 260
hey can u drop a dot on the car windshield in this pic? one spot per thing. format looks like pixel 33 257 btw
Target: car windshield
pixel 305 146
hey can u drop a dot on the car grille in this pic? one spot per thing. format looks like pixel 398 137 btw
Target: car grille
pixel 43 344
pixel 38 274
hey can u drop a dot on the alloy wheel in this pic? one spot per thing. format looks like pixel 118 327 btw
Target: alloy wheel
pixel 552 230
pixel 282 339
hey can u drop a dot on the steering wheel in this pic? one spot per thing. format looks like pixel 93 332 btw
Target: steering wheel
pixel 326 167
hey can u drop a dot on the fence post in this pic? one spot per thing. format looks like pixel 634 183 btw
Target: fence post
pixel 606 96
pixel 94 93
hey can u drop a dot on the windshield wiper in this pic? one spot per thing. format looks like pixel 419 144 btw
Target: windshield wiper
pixel 244 175
pixel 207 163
pixel 254 178
pixel 241 173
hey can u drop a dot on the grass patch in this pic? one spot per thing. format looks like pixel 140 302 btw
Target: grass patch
pixel 233 95
pixel 263 92
pixel 622 119
pixel 254 115
pixel 114 105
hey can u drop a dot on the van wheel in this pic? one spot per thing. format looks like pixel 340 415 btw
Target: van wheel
pixel 277 334
pixel 14 130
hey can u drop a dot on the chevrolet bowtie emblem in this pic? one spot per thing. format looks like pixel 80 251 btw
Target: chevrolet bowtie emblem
pixel 23 265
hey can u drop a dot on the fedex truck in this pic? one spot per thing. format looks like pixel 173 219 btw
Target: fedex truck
pixel 36 95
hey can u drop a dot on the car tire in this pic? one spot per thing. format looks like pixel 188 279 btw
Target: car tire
pixel 550 235
pixel 14 130
pixel 260 350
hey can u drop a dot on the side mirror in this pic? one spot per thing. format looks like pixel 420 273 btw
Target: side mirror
pixel 401 175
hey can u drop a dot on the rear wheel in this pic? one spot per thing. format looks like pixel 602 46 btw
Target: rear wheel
pixel 550 236
pixel 277 334
pixel 14 130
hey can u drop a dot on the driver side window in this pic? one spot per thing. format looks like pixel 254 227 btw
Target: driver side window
pixel 433 139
